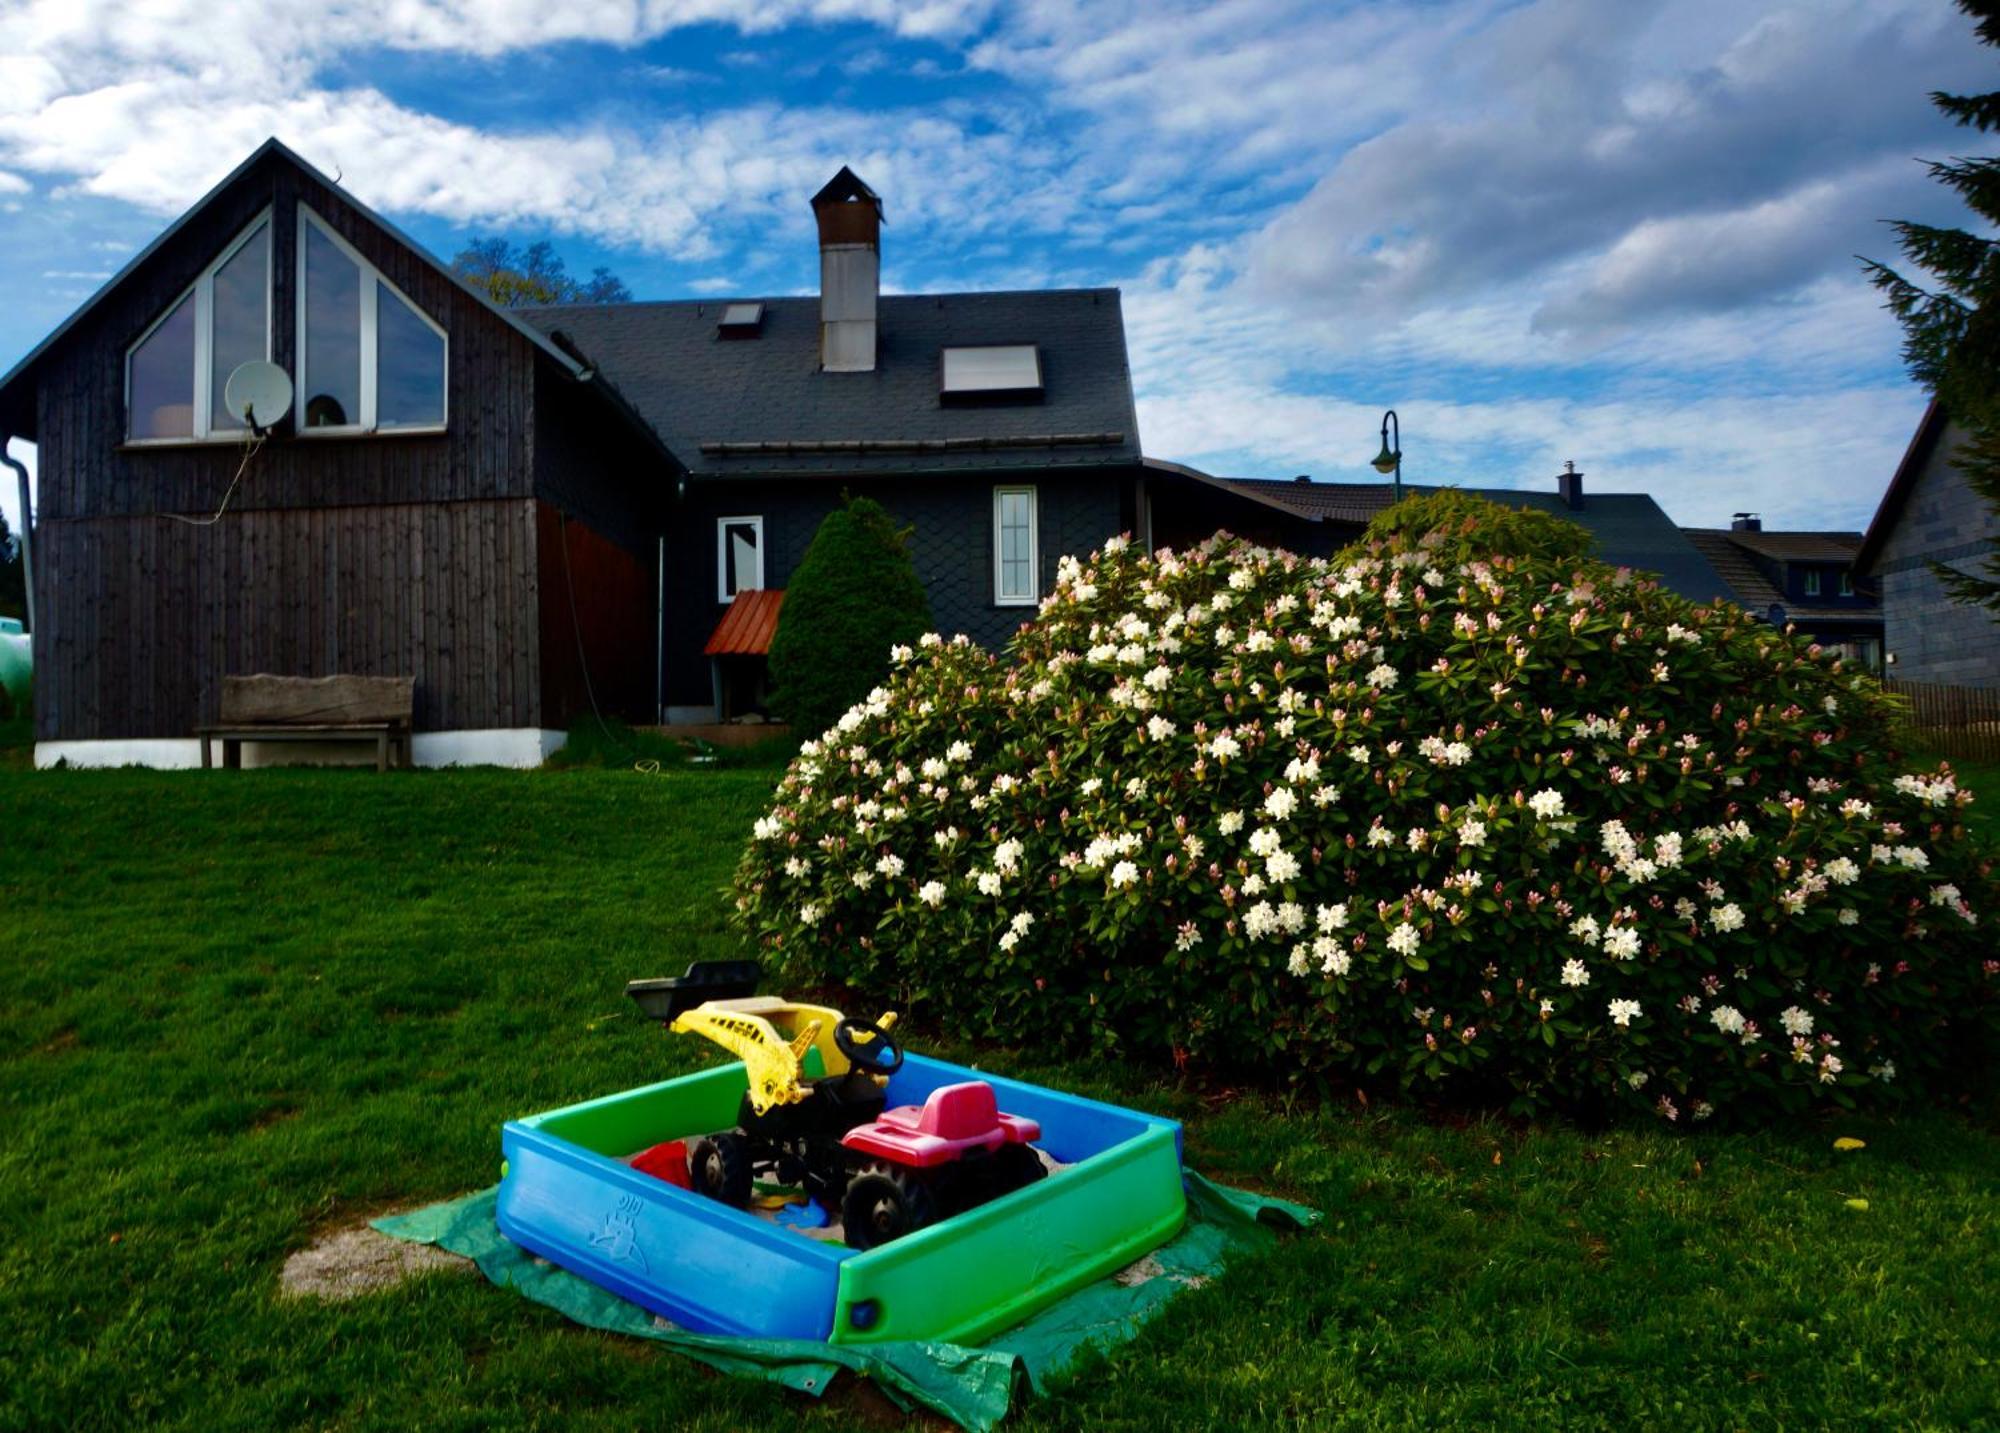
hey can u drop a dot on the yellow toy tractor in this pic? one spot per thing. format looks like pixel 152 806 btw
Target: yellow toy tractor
pixel 814 1074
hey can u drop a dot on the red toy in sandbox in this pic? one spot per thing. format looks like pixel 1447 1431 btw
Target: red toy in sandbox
pixel 954 1121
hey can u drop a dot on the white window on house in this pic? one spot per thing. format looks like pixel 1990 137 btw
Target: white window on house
pixel 991 371
pixel 369 359
pixel 1846 582
pixel 1812 582
pixel 175 373
pixel 739 556
pixel 1015 560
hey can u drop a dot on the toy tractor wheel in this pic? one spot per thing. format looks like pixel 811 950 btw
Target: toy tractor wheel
pixel 884 1202
pixel 1016 1166
pixel 719 1167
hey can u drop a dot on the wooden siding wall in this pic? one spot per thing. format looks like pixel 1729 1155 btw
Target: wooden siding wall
pixel 149 615
pixel 406 556
pixel 590 465
pixel 87 471
pixel 616 603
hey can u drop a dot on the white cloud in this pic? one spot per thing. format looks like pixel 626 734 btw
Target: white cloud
pixel 1571 141
pixel 1540 228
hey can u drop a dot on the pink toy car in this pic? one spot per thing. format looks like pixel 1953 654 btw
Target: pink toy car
pixel 955 1153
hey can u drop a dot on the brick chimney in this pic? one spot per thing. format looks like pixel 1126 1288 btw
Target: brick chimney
pixel 1746 522
pixel 1569 485
pixel 850 272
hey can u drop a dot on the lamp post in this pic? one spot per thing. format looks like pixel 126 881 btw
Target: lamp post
pixel 1390 459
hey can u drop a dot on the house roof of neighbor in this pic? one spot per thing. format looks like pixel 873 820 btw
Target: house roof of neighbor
pixel 1795 546
pixel 1630 528
pixel 758 404
pixel 747 627
pixel 1733 554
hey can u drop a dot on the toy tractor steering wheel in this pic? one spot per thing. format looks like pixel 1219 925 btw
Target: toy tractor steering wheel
pixel 879 1056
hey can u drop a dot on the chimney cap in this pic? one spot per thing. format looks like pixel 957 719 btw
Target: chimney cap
pixel 847 187
pixel 1303 478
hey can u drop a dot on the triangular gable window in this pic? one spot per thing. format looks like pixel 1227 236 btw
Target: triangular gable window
pixel 174 374
pixel 369 359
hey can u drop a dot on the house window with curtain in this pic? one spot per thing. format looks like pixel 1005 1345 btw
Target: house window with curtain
pixel 369 359
pixel 175 373
pixel 739 556
pixel 1015 561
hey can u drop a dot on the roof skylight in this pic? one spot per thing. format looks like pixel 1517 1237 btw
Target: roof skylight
pixel 997 370
pixel 740 320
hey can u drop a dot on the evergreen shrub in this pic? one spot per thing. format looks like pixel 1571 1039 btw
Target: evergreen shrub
pixel 1460 810
pixel 854 596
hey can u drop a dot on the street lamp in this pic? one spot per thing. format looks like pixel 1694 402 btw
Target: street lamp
pixel 1390 459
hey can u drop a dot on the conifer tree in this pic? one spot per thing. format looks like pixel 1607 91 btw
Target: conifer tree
pixel 855 594
pixel 1951 330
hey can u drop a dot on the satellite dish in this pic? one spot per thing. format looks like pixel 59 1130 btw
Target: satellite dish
pixel 257 394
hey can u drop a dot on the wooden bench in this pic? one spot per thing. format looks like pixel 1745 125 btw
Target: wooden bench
pixel 267 708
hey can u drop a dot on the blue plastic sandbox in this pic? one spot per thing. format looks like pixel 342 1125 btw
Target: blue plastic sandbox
pixel 566 1196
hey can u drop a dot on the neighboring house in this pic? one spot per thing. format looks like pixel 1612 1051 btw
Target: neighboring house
pixel 1930 515
pixel 452 492
pixel 1319 518
pixel 1806 579
pixel 533 513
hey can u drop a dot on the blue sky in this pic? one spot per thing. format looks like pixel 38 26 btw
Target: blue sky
pixel 1615 231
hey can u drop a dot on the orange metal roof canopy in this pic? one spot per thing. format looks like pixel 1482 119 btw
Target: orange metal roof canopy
pixel 745 629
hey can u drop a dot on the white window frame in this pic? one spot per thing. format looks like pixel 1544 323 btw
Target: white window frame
pixel 1001 597
pixel 1812 582
pixel 372 282
pixel 203 289
pixel 722 526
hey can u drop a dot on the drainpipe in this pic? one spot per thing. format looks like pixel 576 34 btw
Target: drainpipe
pixel 27 526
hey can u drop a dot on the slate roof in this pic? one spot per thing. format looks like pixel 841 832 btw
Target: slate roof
pixel 1630 528
pixel 1730 553
pixel 699 391
pixel 1795 546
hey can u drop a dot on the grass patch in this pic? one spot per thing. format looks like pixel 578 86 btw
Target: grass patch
pixel 244 1007
pixel 612 745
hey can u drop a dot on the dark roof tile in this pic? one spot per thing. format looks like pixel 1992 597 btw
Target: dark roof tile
pixel 699 391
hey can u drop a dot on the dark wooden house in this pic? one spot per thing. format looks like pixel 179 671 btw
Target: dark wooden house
pixel 1930 515
pixel 453 497
pixel 533 513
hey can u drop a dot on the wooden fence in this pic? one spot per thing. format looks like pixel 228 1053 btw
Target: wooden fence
pixel 1962 722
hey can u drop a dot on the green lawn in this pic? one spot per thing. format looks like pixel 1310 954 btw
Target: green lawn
pixel 242 1007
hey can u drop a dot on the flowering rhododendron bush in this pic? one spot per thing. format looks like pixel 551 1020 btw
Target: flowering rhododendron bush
pixel 1458 808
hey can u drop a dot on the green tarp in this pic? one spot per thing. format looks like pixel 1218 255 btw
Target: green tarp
pixel 972 1386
